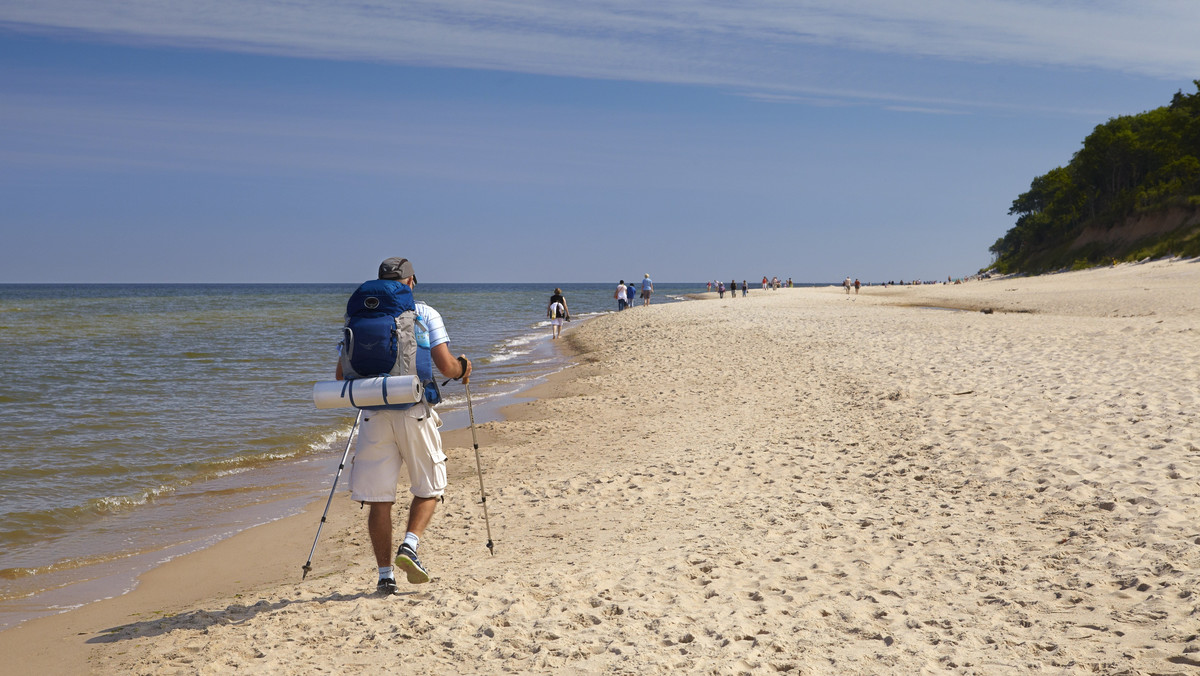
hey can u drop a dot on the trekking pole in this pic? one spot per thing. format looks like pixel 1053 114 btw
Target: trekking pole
pixel 308 564
pixel 479 469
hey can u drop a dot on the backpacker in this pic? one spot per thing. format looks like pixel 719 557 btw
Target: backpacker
pixel 384 336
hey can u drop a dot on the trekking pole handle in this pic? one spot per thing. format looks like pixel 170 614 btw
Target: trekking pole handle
pixel 463 362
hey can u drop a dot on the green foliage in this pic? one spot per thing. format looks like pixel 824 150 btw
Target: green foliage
pixel 1185 243
pixel 1130 165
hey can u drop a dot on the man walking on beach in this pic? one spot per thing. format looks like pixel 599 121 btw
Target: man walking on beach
pixel 389 439
pixel 620 296
pixel 647 289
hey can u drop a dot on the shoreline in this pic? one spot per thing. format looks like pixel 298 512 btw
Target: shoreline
pixel 855 486
pixel 154 587
pixel 281 494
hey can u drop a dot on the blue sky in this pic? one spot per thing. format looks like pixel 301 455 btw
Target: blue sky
pixel 271 141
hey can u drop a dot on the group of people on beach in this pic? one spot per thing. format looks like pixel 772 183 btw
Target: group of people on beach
pixel 558 311
pixel 732 288
pixel 720 288
pixel 950 279
pixel 624 293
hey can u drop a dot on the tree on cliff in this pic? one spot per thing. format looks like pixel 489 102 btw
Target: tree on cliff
pixel 1130 165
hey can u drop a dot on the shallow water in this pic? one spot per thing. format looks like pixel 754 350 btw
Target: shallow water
pixel 144 421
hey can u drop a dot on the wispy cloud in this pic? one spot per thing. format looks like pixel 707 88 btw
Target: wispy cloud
pixel 757 44
pixel 926 111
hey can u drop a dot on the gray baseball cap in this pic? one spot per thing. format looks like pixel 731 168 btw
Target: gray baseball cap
pixel 396 268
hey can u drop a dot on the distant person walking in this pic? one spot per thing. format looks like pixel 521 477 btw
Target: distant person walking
pixel 630 292
pixel 721 289
pixel 857 286
pixel 557 312
pixel 733 288
pixel 764 282
pixel 620 296
pixel 647 289
pixel 744 288
pixel 846 285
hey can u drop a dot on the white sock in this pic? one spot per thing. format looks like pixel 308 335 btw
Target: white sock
pixel 412 540
pixel 385 573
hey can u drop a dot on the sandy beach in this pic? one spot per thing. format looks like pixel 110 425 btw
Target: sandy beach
pixel 800 481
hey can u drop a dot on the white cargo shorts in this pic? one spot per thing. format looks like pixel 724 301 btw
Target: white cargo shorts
pixel 389 439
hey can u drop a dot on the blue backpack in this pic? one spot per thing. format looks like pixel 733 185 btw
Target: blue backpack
pixel 384 337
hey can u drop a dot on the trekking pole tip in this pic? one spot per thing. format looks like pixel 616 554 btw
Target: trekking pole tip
pixel 306 568
pixel 491 550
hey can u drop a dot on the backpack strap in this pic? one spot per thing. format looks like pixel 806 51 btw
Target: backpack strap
pixel 348 391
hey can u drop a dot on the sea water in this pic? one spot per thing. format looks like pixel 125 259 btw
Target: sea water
pixel 141 422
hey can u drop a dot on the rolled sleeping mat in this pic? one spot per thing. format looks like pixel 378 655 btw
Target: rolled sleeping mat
pixel 360 392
